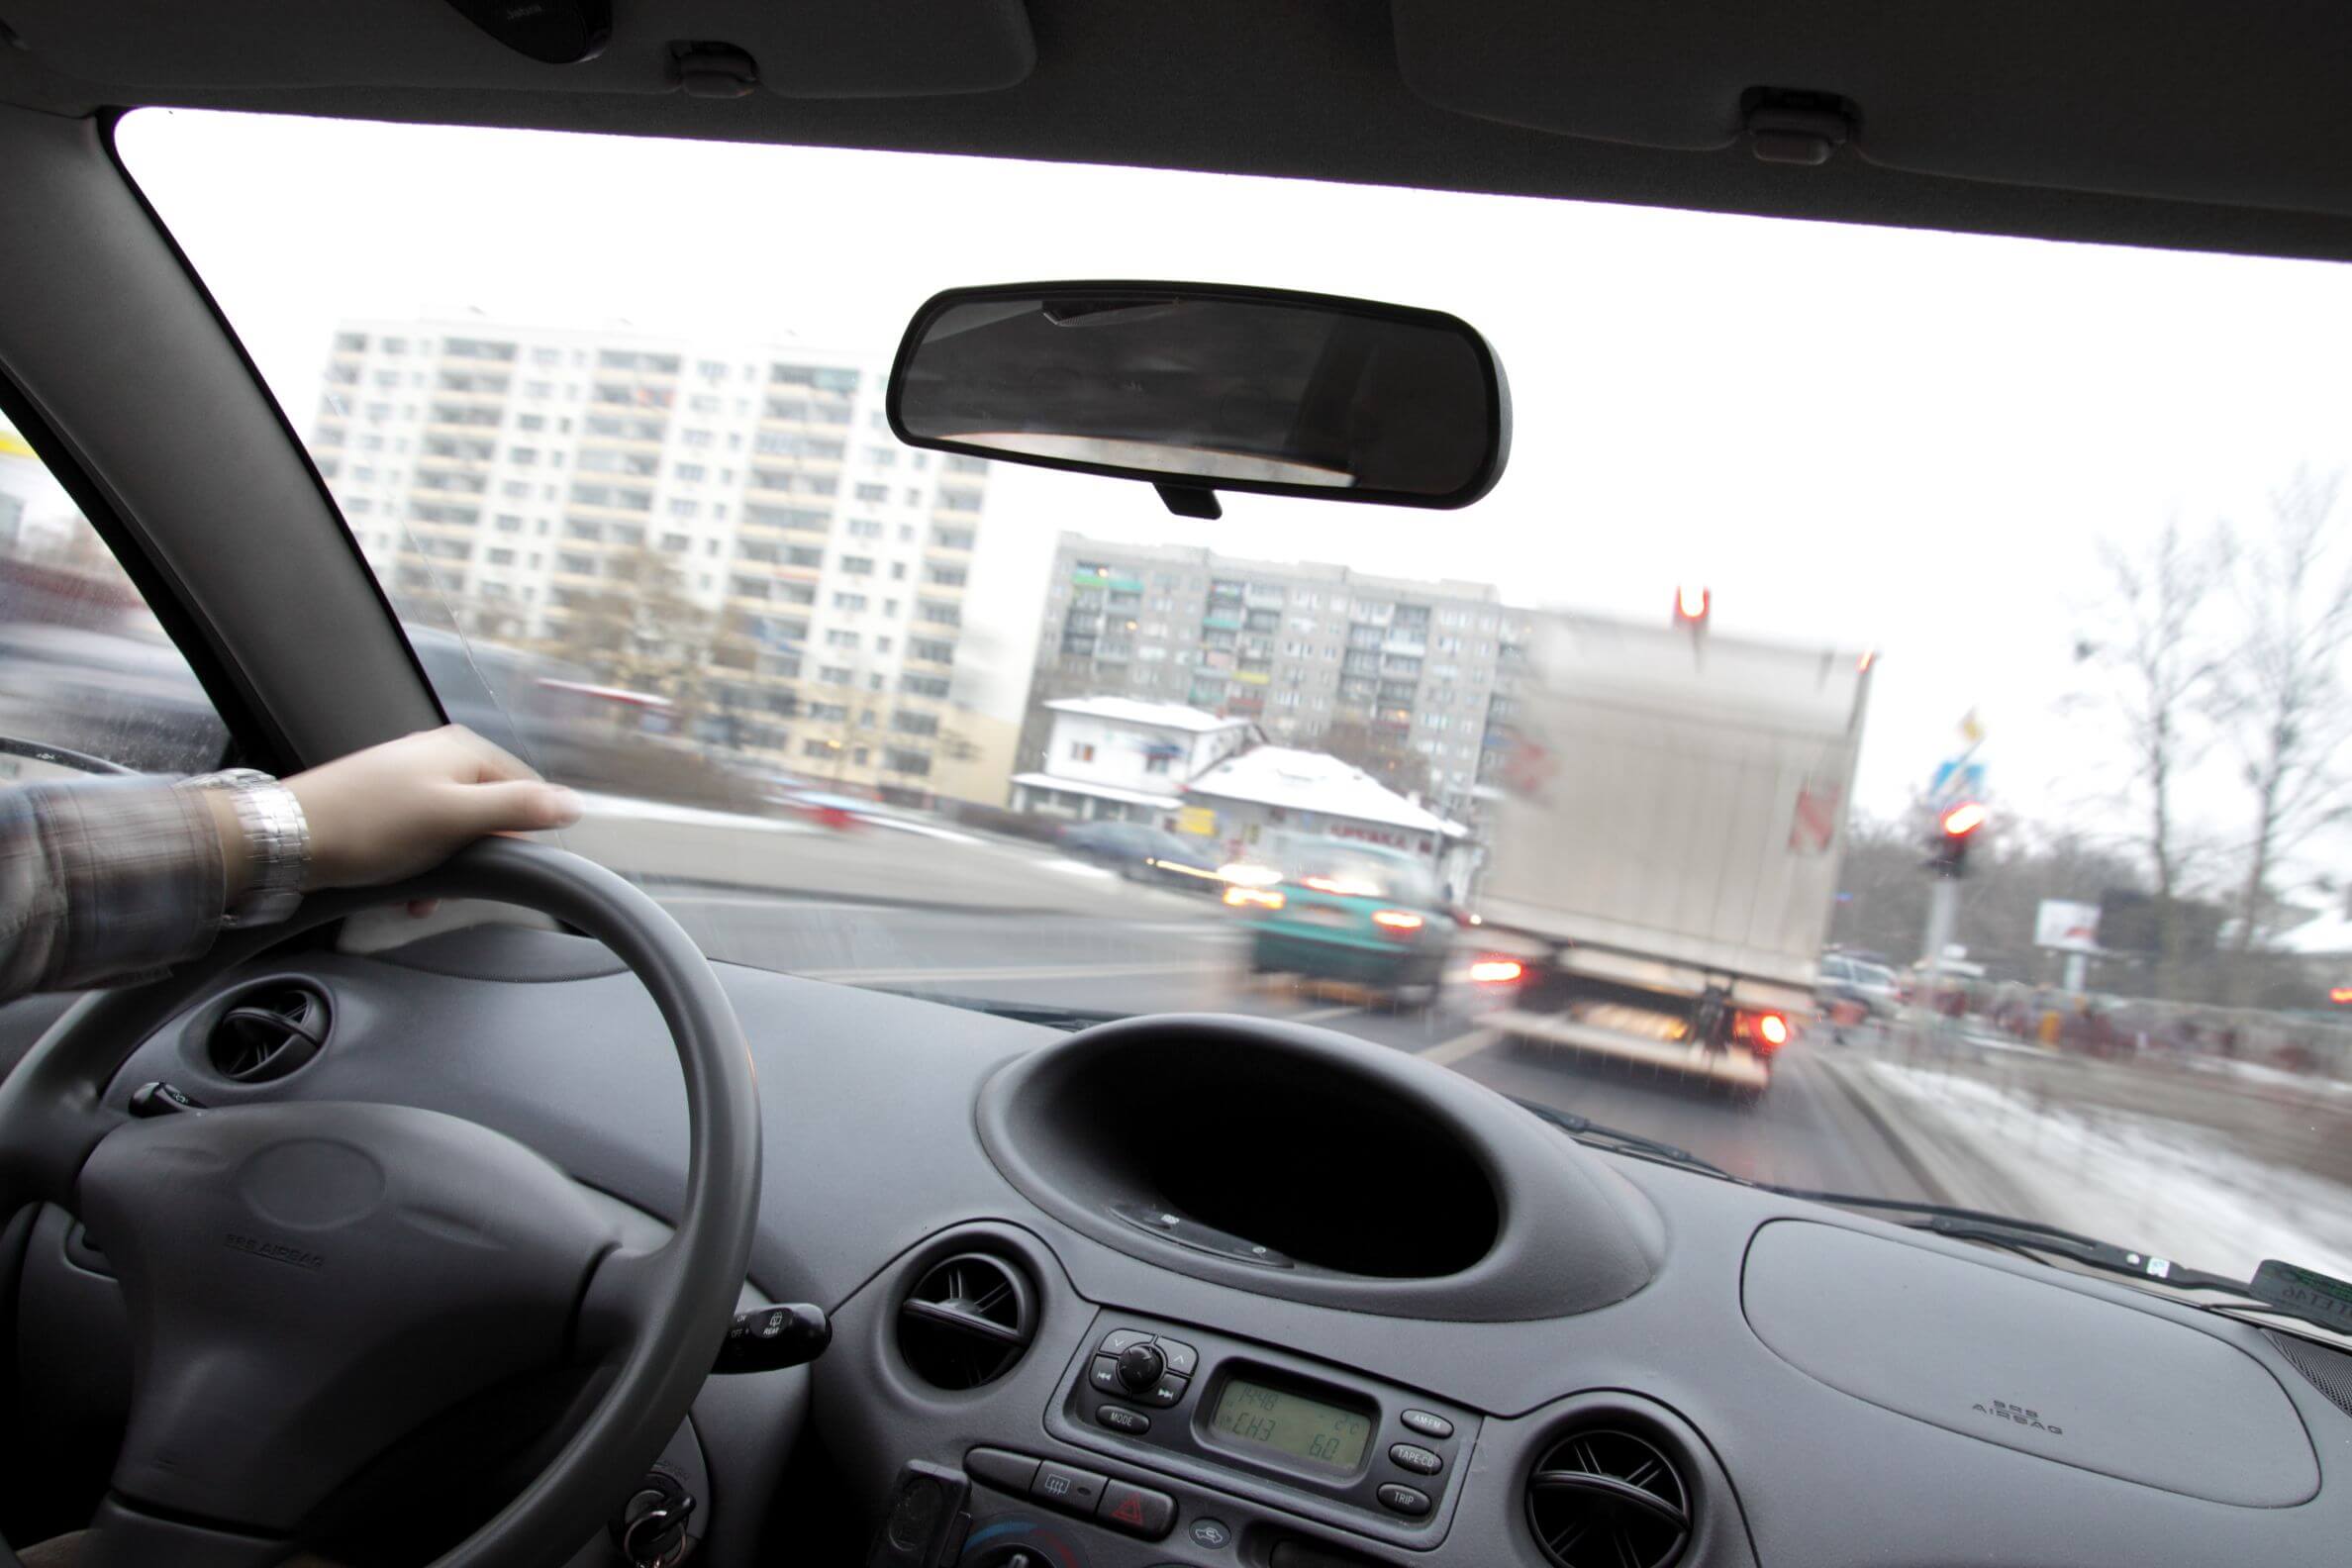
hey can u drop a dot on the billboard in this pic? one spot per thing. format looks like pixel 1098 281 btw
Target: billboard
pixel 2066 926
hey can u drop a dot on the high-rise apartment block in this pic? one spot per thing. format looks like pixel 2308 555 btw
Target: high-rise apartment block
pixel 530 476
pixel 1310 651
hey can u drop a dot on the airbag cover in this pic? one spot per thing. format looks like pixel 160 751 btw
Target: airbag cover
pixel 2034 1366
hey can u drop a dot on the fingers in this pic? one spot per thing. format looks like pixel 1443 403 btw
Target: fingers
pixel 483 763
pixel 523 805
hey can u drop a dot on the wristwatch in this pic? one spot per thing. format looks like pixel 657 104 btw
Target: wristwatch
pixel 277 845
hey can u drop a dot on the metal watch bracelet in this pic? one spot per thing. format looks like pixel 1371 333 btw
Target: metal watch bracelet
pixel 277 845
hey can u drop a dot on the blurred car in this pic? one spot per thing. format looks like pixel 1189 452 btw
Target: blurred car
pixel 1143 853
pixel 1872 987
pixel 1325 909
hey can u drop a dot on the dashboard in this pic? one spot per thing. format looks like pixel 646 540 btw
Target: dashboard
pixel 1227 1293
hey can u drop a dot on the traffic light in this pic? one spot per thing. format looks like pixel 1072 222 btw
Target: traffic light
pixel 1956 828
pixel 1690 606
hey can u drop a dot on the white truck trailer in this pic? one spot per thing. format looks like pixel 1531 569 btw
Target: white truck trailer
pixel 1663 857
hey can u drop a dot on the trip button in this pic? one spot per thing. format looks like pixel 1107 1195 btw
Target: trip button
pixel 1183 1360
pixel 1414 1457
pixel 1064 1487
pixel 1104 1375
pixel 1397 1499
pixel 1428 1422
pixel 1168 1391
pixel 1120 1419
pixel 1119 1339
pixel 1139 1511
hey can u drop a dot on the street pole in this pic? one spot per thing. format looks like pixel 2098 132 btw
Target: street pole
pixel 1943 914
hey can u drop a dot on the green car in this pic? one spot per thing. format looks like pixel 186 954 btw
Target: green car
pixel 1331 910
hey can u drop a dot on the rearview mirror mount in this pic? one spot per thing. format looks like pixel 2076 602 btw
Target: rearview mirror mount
pixel 1200 387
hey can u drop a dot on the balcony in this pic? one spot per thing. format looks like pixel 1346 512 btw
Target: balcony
pixel 1220 622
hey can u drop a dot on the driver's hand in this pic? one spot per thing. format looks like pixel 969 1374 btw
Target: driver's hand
pixel 404 807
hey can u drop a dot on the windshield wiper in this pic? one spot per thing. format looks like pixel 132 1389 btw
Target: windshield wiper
pixel 1638 1144
pixel 2041 1240
pixel 1052 1015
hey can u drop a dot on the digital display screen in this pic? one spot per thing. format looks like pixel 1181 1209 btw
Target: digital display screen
pixel 1292 1423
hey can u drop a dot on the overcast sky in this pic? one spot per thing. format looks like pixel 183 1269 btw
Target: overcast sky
pixel 1869 437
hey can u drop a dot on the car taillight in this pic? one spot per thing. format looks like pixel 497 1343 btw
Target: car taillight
pixel 1495 971
pixel 1253 898
pixel 1397 923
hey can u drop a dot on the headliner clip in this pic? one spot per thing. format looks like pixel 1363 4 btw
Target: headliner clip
pixel 713 71
pixel 1801 128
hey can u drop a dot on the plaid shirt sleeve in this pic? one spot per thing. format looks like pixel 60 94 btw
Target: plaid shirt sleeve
pixel 104 880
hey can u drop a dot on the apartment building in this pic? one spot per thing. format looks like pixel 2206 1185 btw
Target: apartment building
pixel 526 476
pixel 1307 652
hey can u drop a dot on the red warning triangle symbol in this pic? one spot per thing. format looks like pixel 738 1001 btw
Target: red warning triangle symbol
pixel 1130 1512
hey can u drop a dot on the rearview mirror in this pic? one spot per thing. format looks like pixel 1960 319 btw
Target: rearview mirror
pixel 1201 387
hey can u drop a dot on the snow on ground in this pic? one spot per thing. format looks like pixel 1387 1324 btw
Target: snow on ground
pixel 621 805
pixel 2140 1181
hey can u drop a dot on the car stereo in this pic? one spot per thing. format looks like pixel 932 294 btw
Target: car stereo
pixel 1330 1443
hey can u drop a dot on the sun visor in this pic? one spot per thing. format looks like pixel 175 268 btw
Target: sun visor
pixel 2238 105
pixel 805 49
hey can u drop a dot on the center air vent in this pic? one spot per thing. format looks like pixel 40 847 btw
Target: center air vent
pixel 268 1031
pixel 966 1321
pixel 1607 1499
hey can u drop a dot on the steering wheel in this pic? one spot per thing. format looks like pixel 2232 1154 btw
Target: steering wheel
pixel 308 1281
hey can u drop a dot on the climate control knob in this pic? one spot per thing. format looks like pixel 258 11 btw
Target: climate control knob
pixel 1140 1366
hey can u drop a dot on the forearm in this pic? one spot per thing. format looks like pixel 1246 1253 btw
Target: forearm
pixel 104 879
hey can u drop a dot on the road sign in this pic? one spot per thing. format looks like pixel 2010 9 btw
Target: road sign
pixel 2066 926
pixel 1955 778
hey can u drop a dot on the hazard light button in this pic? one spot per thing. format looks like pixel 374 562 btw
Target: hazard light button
pixel 1139 1511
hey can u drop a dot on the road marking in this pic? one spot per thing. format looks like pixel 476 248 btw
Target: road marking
pixel 1447 1053
pixel 1320 1014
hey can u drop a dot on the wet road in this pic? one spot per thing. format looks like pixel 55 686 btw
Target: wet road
pixel 1184 954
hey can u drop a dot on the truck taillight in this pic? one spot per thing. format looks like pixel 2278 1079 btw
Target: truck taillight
pixel 1495 971
pixel 1765 1032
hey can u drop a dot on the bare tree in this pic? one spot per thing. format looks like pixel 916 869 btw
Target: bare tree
pixel 2162 668
pixel 2280 695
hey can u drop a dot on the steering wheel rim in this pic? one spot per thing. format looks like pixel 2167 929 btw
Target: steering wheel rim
pixel 667 1308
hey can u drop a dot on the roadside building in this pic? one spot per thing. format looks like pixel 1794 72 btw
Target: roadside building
pixel 1117 760
pixel 1272 791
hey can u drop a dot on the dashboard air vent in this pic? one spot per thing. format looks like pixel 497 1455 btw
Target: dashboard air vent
pixel 1607 1499
pixel 268 1031
pixel 966 1321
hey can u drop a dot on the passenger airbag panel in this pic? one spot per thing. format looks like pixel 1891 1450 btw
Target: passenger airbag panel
pixel 2030 1366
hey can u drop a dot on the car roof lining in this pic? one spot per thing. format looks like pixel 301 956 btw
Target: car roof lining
pixel 2207 115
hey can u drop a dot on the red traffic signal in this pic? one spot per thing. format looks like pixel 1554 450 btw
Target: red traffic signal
pixel 1958 822
pixel 1690 606
pixel 1956 828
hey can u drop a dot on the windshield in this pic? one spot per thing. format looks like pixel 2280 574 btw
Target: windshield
pixel 1976 608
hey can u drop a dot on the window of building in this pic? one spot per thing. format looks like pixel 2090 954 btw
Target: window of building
pixel 859 566
pixel 872 493
pixel 683 508
pixel 840 640
pixel 676 543
pixel 1082 751
pixel 848 601
pixel 691 474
